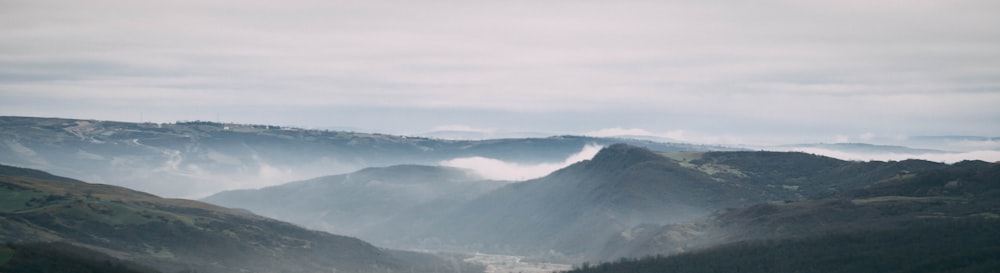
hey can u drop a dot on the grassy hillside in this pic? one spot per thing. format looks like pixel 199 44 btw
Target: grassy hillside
pixel 361 203
pixel 175 235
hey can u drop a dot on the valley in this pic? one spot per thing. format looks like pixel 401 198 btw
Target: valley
pixel 515 264
pixel 639 205
pixel 194 159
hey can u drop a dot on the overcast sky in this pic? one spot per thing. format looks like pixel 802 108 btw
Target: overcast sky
pixel 701 71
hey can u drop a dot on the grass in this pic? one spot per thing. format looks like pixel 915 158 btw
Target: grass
pixel 5 254
pixel 15 200
pixel 683 156
pixel 711 169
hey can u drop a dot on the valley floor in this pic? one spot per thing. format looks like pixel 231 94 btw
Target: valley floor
pixel 514 264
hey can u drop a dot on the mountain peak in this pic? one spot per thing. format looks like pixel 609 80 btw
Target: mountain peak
pixel 619 155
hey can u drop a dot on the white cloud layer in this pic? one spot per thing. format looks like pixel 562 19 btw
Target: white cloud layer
pixel 726 67
pixel 490 168
pixel 676 135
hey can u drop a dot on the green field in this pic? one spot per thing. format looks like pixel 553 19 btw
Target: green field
pixel 5 254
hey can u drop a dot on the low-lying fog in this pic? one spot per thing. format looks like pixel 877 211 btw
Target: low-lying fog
pixel 496 169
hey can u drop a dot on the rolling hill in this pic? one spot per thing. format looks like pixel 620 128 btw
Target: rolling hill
pixel 575 210
pixel 962 195
pixel 363 202
pixel 172 235
pixel 579 212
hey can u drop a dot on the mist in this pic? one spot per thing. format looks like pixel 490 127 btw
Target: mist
pixel 945 157
pixel 496 169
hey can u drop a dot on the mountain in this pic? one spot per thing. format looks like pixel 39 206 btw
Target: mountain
pixel 621 186
pixel 172 235
pixel 574 210
pixel 581 211
pixel 957 194
pixel 198 158
pixel 362 202
pixel 594 209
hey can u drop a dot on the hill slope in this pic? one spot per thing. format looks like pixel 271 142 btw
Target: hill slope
pixel 362 202
pixel 933 246
pixel 61 258
pixel 174 234
pixel 574 210
pixel 959 192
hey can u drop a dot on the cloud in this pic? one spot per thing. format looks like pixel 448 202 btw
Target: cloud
pixel 675 135
pixel 463 128
pixel 927 67
pixel 490 168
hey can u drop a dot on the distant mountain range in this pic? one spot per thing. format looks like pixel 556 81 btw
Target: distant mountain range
pixel 195 159
pixel 172 235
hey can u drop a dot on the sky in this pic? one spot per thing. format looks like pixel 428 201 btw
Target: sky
pixel 731 72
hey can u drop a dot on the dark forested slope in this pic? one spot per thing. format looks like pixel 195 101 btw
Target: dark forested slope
pixel 928 246
pixel 61 258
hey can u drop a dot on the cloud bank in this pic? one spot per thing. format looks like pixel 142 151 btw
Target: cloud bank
pixel 734 67
pixel 490 168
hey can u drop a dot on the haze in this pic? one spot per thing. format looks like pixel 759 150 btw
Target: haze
pixel 732 72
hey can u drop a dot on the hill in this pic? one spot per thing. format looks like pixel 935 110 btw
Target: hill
pixel 362 202
pixel 583 210
pixel 959 193
pixel 197 158
pixel 61 258
pixel 931 246
pixel 172 235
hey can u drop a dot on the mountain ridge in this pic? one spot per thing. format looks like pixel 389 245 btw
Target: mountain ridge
pixel 199 158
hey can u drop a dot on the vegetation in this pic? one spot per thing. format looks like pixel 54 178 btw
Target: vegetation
pixel 173 235
pixel 61 258
pixel 357 203
pixel 721 211
pixel 934 246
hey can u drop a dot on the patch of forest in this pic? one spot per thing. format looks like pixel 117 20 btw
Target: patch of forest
pixel 965 246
